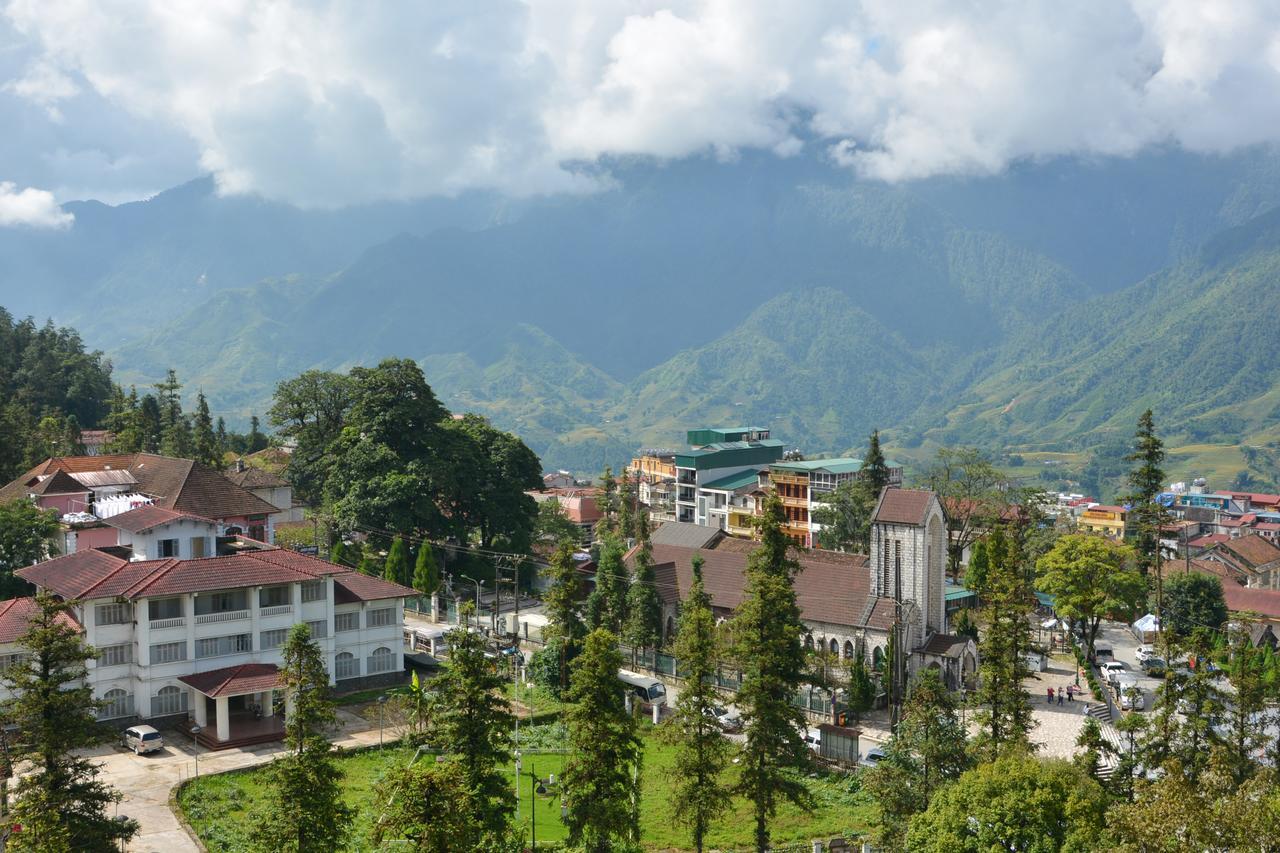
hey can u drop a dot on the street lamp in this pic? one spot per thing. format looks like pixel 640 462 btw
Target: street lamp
pixel 195 745
pixel 382 703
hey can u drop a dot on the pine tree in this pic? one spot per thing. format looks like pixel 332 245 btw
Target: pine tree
pixel 608 501
pixel 626 506
pixel 220 437
pixel 205 442
pixel 976 575
pixel 607 604
pixel 150 424
pixel 61 803
pixel 303 809
pixel 124 420
pixel 369 564
pixel 565 628
pixel 644 607
pixel 767 631
pixel 473 722
pixel 1092 745
pixel 601 776
pixel 698 793
pixel 862 688
pixel 396 568
pixel 874 471
pixel 426 571
pixel 257 441
pixel 1145 481
pixel 340 555
pixel 1005 719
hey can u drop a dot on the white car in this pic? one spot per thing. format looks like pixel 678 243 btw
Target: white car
pixel 812 740
pixel 141 739
pixel 1144 651
pixel 1132 699
pixel 873 757
pixel 1111 669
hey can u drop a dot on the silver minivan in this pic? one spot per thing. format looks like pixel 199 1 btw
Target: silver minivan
pixel 142 739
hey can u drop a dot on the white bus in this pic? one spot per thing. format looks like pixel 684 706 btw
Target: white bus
pixel 645 689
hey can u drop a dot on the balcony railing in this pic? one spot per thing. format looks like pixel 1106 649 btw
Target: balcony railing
pixel 225 616
pixel 176 622
pixel 277 610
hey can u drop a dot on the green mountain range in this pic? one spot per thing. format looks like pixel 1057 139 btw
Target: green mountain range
pixel 1036 312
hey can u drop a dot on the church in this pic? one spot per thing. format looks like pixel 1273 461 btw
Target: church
pixel 847 602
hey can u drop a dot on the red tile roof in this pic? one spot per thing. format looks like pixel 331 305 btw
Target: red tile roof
pixel 147 517
pixel 96 574
pixel 57 483
pixel 15 618
pixel 234 680
pixel 903 506
pixel 1255 550
pixel 1265 602
pixel 1211 539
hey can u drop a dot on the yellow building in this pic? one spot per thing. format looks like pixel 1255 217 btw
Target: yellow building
pixel 1111 521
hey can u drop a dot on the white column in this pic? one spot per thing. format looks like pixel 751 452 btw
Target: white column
pixel 269 703
pixel 200 707
pixel 224 718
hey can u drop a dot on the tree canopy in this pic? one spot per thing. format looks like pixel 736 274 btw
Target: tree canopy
pixel 1193 600
pixel 1091 577
pixel 26 535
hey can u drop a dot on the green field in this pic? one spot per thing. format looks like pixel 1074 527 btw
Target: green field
pixel 216 806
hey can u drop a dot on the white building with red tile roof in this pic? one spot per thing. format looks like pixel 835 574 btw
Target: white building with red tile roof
pixel 169 630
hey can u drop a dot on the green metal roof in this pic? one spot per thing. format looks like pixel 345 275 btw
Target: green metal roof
pixel 731 454
pixel 709 435
pixel 835 465
pixel 748 477
pixel 1045 599
pixel 955 592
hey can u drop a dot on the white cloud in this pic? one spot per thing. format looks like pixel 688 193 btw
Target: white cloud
pixel 31 207
pixel 337 102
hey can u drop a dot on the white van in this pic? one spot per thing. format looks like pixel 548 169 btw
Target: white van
pixel 142 739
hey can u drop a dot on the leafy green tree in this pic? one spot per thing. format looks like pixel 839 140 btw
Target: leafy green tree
pixel 644 607
pixel 26 536
pixel 303 809
pixel 927 752
pixel 768 631
pixel 205 443
pixel 473 721
pixel 61 803
pixel 1193 600
pixel 1129 755
pixel 431 806
pixel 887 669
pixel 124 420
pixel 699 793
pixel 1090 578
pixel 498 470
pixel 340 554
pixel 1005 718
pixel 175 427
pixel 1015 803
pixel 1092 745
pixel 975 577
pixel 220 437
pixel 426 571
pixel 845 517
pixel 965 626
pixel 396 568
pixel 627 509
pixel 369 564
pixel 972 492
pixel 309 411
pixel 601 776
pixel 862 688
pixel 607 604
pixel 417 702
pixel 552 524
pixel 1145 481
pixel 257 441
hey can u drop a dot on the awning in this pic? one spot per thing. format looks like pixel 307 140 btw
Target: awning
pixel 1049 623
pixel 1147 623
pixel 1045 599
pixel 234 680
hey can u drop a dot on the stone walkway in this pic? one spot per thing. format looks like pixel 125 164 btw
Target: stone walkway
pixel 147 780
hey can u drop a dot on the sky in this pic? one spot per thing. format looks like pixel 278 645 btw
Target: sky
pixel 326 104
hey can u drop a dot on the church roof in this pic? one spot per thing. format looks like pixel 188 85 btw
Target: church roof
pixel 903 506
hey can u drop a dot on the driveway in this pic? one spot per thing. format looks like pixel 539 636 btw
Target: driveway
pixel 147 780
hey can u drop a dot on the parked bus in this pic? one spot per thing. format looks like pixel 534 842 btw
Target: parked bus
pixel 645 689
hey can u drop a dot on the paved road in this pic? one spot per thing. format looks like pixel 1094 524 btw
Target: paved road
pixel 147 780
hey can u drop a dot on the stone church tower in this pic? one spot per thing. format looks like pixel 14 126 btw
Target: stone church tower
pixel 909 540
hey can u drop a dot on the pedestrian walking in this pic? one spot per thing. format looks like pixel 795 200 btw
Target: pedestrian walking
pixel 1050 695
pixel 1061 690
pixel 1071 693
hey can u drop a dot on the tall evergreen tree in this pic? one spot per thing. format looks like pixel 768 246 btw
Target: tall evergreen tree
pixel 150 424
pixel 369 563
pixel 601 776
pixel 626 505
pixel 698 792
pixel 607 604
pixel 303 810
pixel 767 633
pixel 205 442
pixel 124 420
pixel 1145 480
pixel 565 629
pixel 340 555
pixel 473 722
pixel 396 568
pixel 61 803
pixel 1244 737
pixel 608 500
pixel 220 437
pixel 862 689
pixel 874 471
pixel 426 571
pixel 257 441
pixel 1005 719
pixel 644 607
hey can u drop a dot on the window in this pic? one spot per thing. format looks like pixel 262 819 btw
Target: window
pixel 273 596
pixel 115 655
pixel 170 700
pixel 346 621
pixel 222 602
pixel 167 548
pixel 169 652
pixel 164 608
pixel 7 661
pixel 274 639
pixel 215 646
pixel 382 660
pixel 199 547
pixel 319 629
pixel 113 614
pixel 346 665
pixel 119 704
pixel 381 617
pixel 313 591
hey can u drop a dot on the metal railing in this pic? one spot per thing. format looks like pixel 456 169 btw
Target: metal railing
pixel 176 622
pixel 224 616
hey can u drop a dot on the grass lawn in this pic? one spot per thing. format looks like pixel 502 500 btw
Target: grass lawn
pixel 217 805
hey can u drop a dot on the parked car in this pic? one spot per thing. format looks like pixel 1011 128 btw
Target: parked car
pixel 142 739
pixel 1146 650
pixel 1111 669
pixel 728 719
pixel 1102 654
pixel 1154 666
pixel 873 757
pixel 1132 699
pixel 812 740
